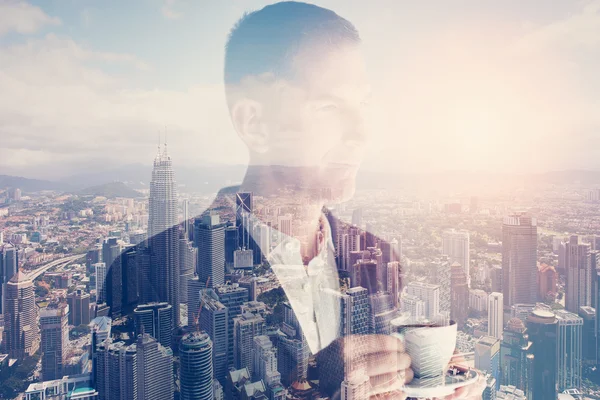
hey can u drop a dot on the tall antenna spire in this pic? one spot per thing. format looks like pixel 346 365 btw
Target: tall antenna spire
pixel 165 139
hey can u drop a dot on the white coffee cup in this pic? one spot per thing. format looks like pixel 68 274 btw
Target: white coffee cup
pixel 430 349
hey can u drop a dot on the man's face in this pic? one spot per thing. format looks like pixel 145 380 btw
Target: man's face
pixel 316 122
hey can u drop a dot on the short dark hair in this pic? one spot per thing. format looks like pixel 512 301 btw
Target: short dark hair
pixel 265 41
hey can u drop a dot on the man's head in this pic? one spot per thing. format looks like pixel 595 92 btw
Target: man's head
pixel 296 87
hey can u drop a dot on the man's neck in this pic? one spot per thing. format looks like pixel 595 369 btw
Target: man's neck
pixel 286 187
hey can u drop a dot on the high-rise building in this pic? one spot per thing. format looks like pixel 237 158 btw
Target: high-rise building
pixel 588 349
pixel 213 321
pixel 231 244
pixel 195 355
pixel 54 340
pixel 116 371
pixel 519 259
pixel 292 358
pixel 547 280
pixel 163 233
pixel 187 223
pixel 495 315
pixel 429 294
pixel 243 259
pixel 414 306
pixel 79 307
pixel 459 293
pixel 284 223
pixel 441 276
pixel 21 335
pixel 514 350
pixel 154 369
pixel 542 329
pixel 210 240
pixel 113 285
pixel 100 328
pixel 578 290
pixel 243 213
pixel 521 311
pixel 9 262
pixel 455 244
pixel 245 328
pixel 194 286
pixel 155 319
pixel 231 296
pixel 478 300
pixel 393 282
pixel 188 257
pixel 130 275
pixel 264 361
pixel 355 387
pixel 100 273
pixel 487 356
pixel 569 341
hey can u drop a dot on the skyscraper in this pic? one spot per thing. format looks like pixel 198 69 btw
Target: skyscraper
pixel 163 233
pixel 231 244
pixel 214 321
pixel 210 241
pixel 21 335
pixel 54 339
pixel 116 375
pixel 243 213
pixel 154 369
pixel 514 349
pixel 455 244
pixel 9 262
pixel 441 276
pixel 487 356
pixel 547 280
pixel 284 223
pixel 459 294
pixel 188 258
pixel 569 341
pixel 245 328
pixel 519 259
pixel 429 294
pixel 155 319
pixel 113 286
pixel 495 315
pixel 232 296
pixel 264 362
pixel 100 272
pixel 542 328
pixel 195 355
pixel 79 307
pixel 588 349
pixel 393 282
pixel 578 264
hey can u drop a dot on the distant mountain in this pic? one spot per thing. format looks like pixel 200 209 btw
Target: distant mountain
pixel 201 179
pixel 111 190
pixel 31 185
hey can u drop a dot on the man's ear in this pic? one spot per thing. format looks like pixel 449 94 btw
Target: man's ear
pixel 247 117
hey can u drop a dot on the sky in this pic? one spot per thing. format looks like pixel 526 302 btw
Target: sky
pixel 479 86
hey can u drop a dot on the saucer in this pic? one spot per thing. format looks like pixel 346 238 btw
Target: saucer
pixel 439 386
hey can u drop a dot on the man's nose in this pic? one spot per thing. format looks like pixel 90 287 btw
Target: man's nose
pixel 355 132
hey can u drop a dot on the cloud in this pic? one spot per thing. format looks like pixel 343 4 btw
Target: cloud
pixel 168 11
pixel 61 111
pixel 24 18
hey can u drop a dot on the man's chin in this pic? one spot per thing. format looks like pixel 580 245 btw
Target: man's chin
pixel 342 194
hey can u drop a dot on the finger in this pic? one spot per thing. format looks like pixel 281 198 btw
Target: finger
pixel 380 363
pixel 408 375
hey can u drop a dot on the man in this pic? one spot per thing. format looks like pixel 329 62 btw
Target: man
pixel 297 89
